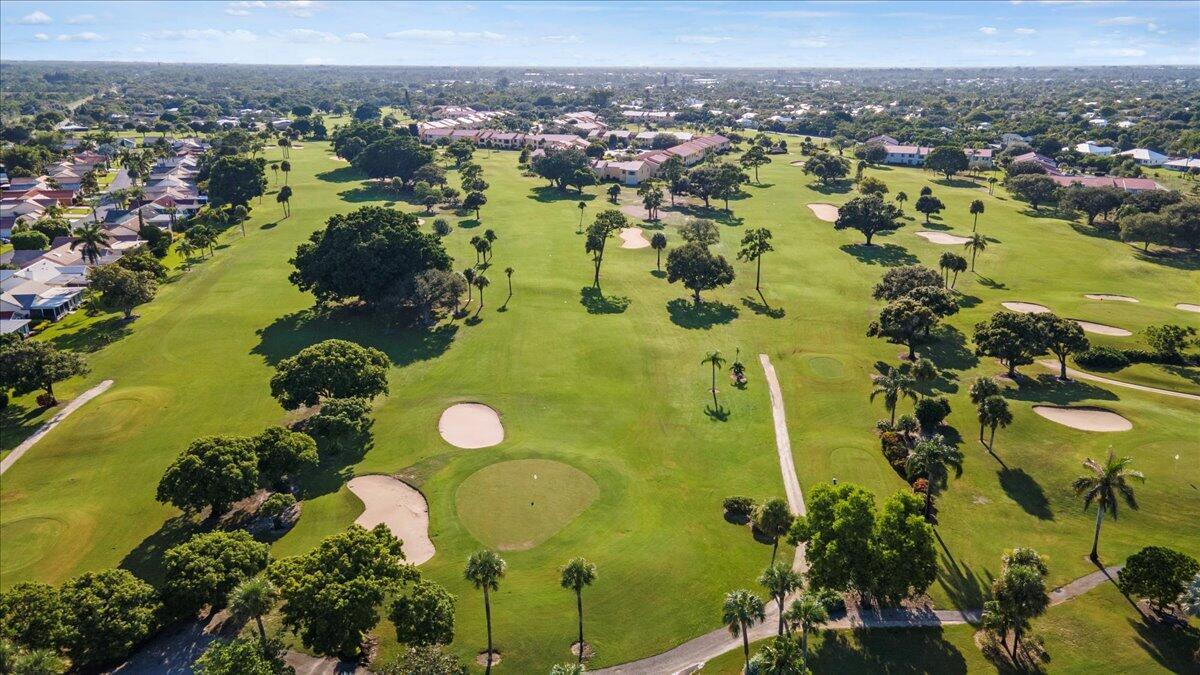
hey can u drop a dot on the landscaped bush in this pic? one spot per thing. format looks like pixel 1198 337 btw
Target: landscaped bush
pixel 931 412
pixel 740 507
pixel 1104 358
pixel 895 449
pixel 275 506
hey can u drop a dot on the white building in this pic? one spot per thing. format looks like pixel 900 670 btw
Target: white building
pixel 1090 148
pixel 1145 156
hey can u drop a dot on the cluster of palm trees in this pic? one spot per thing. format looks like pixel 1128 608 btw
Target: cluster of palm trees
pixel 486 568
pixel 483 245
pixel 742 609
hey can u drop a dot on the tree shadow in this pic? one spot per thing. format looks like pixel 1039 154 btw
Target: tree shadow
pixel 1189 373
pixel 469 223
pixel 549 194
pixel 955 183
pixel 595 302
pixel 94 336
pixel 1026 492
pixel 838 188
pixel 17 422
pixel 292 332
pixel 368 193
pixel 687 314
pixel 948 349
pixel 343 174
pixel 901 650
pixel 968 301
pixel 658 274
pixel 717 414
pixel 1179 261
pixel 887 255
pixel 334 468
pixel 965 588
pixel 1046 388
pixel 1098 232
pixel 145 560
pixel 991 283
pixel 760 307
pixel 1170 647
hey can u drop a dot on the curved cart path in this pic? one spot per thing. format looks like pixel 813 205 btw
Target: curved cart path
pixel 46 428
pixel 1071 372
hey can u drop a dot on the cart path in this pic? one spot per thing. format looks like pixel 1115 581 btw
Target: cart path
pixel 783 445
pixel 1071 372
pixel 46 428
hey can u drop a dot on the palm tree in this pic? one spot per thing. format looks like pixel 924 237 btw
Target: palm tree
pixel 982 388
pixel 781 657
pixel 240 213
pixel 716 361
pixel 469 275
pixel 89 238
pixel 779 579
pixel 171 211
pixel 991 184
pixel 893 385
pixel 900 198
pixel 508 272
pixel 286 167
pixel 490 237
pixel 742 610
pixel 614 191
pixel 932 458
pixel 582 206
pixel 284 197
pixel 93 202
pixel 137 194
pixel 658 242
pixel 275 170
pixel 481 282
pixel 577 574
pixel 485 569
pixel 976 209
pixel 975 244
pixel 1102 485
pixel 993 412
pixel 186 249
pixel 253 598
pixel 808 612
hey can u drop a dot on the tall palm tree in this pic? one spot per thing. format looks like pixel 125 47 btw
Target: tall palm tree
pixel 275 169
pixel 716 361
pixel 808 612
pixel 893 385
pixel 253 598
pixel 575 575
pixel 976 209
pixel 900 198
pixel 782 656
pixel 743 609
pixel 89 238
pixel 286 167
pixel 172 211
pixel 982 388
pixel 779 579
pixel 991 184
pixel 932 458
pixel 186 249
pixel 284 196
pixel 993 412
pixel 1103 483
pixel 481 282
pixel 485 569
pixel 490 237
pixel 975 244
pixel 582 206
pixel 469 275
pixel 508 272
pixel 658 242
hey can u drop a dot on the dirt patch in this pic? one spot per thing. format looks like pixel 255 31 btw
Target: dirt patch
pixel 1188 307
pixel 1084 418
pixel 1101 329
pixel 482 658
pixel 399 506
pixel 1109 297
pixel 1025 307
pixel 471 426
pixel 338 159
pixel 944 238
pixel 587 650
pixel 825 212
pixel 632 237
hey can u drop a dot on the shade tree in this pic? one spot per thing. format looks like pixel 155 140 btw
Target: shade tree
pixel 282 454
pixel 330 369
pixel 204 569
pixel 607 223
pixel 904 321
pixel 109 613
pixel 213 472
pixel 33 365
pixel 698 269
pixel 826 168
pixel 424 615
pixel 947 160
pixel 755 244
pixel 122 289
pixel 1012 338
pixel 1061 337
pixel 1158 574
pixel 929 205
pixel 868 215
pixel 1018 596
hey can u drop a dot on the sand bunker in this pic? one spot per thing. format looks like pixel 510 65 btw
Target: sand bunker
pixel 826 212
pixel 1101 329
pixel 1087 419
pixel 1109 297
pixel 338 159
pixel 943 238
pixel 1188 307
pixel 471 425
pixel 399 506
pixel 632 237
pixel 1025 307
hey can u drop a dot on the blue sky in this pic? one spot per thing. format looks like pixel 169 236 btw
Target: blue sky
pixel 557 33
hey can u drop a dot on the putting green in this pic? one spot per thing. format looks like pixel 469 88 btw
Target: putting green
pixel 37 537
pixel 518 504
pixel 119 414
pixel 826 368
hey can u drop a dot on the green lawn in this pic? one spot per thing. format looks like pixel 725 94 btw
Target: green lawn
pixel 612 387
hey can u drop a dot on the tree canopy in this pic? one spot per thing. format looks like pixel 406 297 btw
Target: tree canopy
pixel 869 215
pixel 204 569
pixel 393 157
pixel 330 369
pixel 236 179
pixel 698 269
pixel 213 471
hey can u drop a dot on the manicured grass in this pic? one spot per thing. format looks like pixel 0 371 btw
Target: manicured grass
pixel 516 505
pixel 612 385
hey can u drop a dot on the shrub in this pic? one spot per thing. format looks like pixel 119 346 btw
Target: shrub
pixel 30 240
pixel 741 507
pixel 441 227
pixel 920 486
pixel 894 447
pixel 931 412
pixel 1105 358
pixel 275 506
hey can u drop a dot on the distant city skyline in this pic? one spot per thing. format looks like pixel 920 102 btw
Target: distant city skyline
pixel 612 34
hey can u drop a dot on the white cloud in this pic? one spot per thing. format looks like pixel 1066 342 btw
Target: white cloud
pixel 204 35
pixel 1024 31
pixel 35 18
pixel 701 39
pixel 812 42
pixel 86 36
pixel 357 37
pixel 446 37
pixel 1119 52
pixel 298 8
pixel 1123 21
pixel 307 35
pixel 41 37
pixel 243 7
pixel 988 30
pixel 80 19
pixel 562 39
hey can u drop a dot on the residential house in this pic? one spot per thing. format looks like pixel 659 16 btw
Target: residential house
pixel 1045 162
pixel 1126 184
pixel 1145 156
pixel 1182 164
pixel 1090 148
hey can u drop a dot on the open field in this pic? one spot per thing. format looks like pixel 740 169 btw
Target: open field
pixel 610 387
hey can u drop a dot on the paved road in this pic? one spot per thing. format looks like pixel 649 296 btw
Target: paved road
pixel 53 422
pixel 1071 372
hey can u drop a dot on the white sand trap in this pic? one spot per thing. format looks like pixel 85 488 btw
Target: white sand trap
pixel 1109 297
pixel 1087 419
pixel 632 237
pixel 1025 307
pixel 1101 329
pixel 399 506
pixel 471 425
pixel 338 159
pixel 1188 307
pixel 943 238
pixel 826 212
